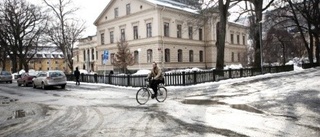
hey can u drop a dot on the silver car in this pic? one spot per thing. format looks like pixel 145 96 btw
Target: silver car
pixel 49 79
pixel 5 76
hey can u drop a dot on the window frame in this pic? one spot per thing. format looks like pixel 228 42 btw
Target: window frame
pixel 116 12
pixel 149 55
pixel 111 37
pixel 123 34
pixel 135 32
pixel 200 56
pixel 179 31
pixel 167 55
pixel 149 30
pixel 102 39
pixel 190 32
pixel 166 29
pixel 190 55
pixel 128 9
pixel 180 55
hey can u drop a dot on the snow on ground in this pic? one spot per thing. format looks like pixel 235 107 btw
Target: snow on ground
pixel 283 104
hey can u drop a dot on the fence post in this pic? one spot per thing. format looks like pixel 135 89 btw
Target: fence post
pixel 184 78
pixel 241 72
pixel 230 74
pixel 214 75
pixel 128 77
pixel 252 71
pixel 109 79
pixel 194 77
pixel 82 77
pixel 95 78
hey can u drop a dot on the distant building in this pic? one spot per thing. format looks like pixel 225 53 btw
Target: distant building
pixel 86 54
pixel 48 58
pixel 161 31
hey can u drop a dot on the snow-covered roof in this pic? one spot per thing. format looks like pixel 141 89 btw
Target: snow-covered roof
pixel 174 5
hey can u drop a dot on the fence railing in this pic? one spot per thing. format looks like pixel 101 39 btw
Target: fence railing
pixel 309 65
pixel 181 78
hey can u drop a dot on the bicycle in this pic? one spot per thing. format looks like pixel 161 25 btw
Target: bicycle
pixel 144 93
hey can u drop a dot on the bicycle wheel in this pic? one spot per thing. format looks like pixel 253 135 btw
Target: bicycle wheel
pixel 162 94
pixel 142 96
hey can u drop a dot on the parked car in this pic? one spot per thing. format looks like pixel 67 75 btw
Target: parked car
pixel 49 79
pixel 25 79
pixel 5 76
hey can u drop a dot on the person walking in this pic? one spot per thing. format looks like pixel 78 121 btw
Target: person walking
pixel 156 77
pixel 77 75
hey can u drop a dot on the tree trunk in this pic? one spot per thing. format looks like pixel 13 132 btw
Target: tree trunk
pixel 317 44
pixel 310 50
pixel 222 33
pixel 14 64
pixel 257 35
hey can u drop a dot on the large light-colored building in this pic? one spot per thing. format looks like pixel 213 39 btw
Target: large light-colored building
pixel 160 31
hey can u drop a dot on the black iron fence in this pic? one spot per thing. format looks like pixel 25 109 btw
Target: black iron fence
pixel 181 78
pixel 309 65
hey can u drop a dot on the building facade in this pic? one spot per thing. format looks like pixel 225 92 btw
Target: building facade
pixel 162 31
pixel 48 58
pixel 86 54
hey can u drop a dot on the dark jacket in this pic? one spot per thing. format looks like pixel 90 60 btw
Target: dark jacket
pixel 77 73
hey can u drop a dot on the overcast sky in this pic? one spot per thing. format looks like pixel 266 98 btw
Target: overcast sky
pixel 89 11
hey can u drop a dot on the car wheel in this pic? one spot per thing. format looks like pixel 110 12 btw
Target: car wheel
pixel 34 85
pixel 63 86
pixel 43 86
pixel 10 82
pixel 19 84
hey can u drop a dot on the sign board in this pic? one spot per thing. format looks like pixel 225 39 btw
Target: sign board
pixel 105 56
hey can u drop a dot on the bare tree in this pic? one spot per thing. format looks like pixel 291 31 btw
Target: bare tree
pixel 310 11
pixel 123 58
pixel 278 45
pixel 64 30
pixel 21 26
pixel 256 9
pixel 303 18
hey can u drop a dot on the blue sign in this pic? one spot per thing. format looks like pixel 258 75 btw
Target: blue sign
pixel 105 56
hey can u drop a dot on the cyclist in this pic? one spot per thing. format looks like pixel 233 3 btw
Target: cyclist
pixel 156 77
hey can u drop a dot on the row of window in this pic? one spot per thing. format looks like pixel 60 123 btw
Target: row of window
pixel 56 62
pixel 116 11
pixel 238 39
pixel 167 56
pixel 149 33
pixel 86 53
pixel 231 36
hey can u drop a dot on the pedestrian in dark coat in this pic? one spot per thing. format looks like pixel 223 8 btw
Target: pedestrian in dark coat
pixel 77 75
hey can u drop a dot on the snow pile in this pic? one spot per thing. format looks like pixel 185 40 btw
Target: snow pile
pixel 184 70
pixel 233 66
pixel 142 72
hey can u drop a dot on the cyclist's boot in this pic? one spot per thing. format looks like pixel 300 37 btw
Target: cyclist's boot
pixel 152 96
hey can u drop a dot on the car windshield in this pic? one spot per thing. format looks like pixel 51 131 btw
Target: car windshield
pixel 5 73
pixel 56 74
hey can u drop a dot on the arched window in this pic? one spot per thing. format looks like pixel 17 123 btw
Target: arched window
pixel 167 55
pixel 149 55
pixel 201 56
pixel 190 55
pixel 136 56
pixel 179 55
